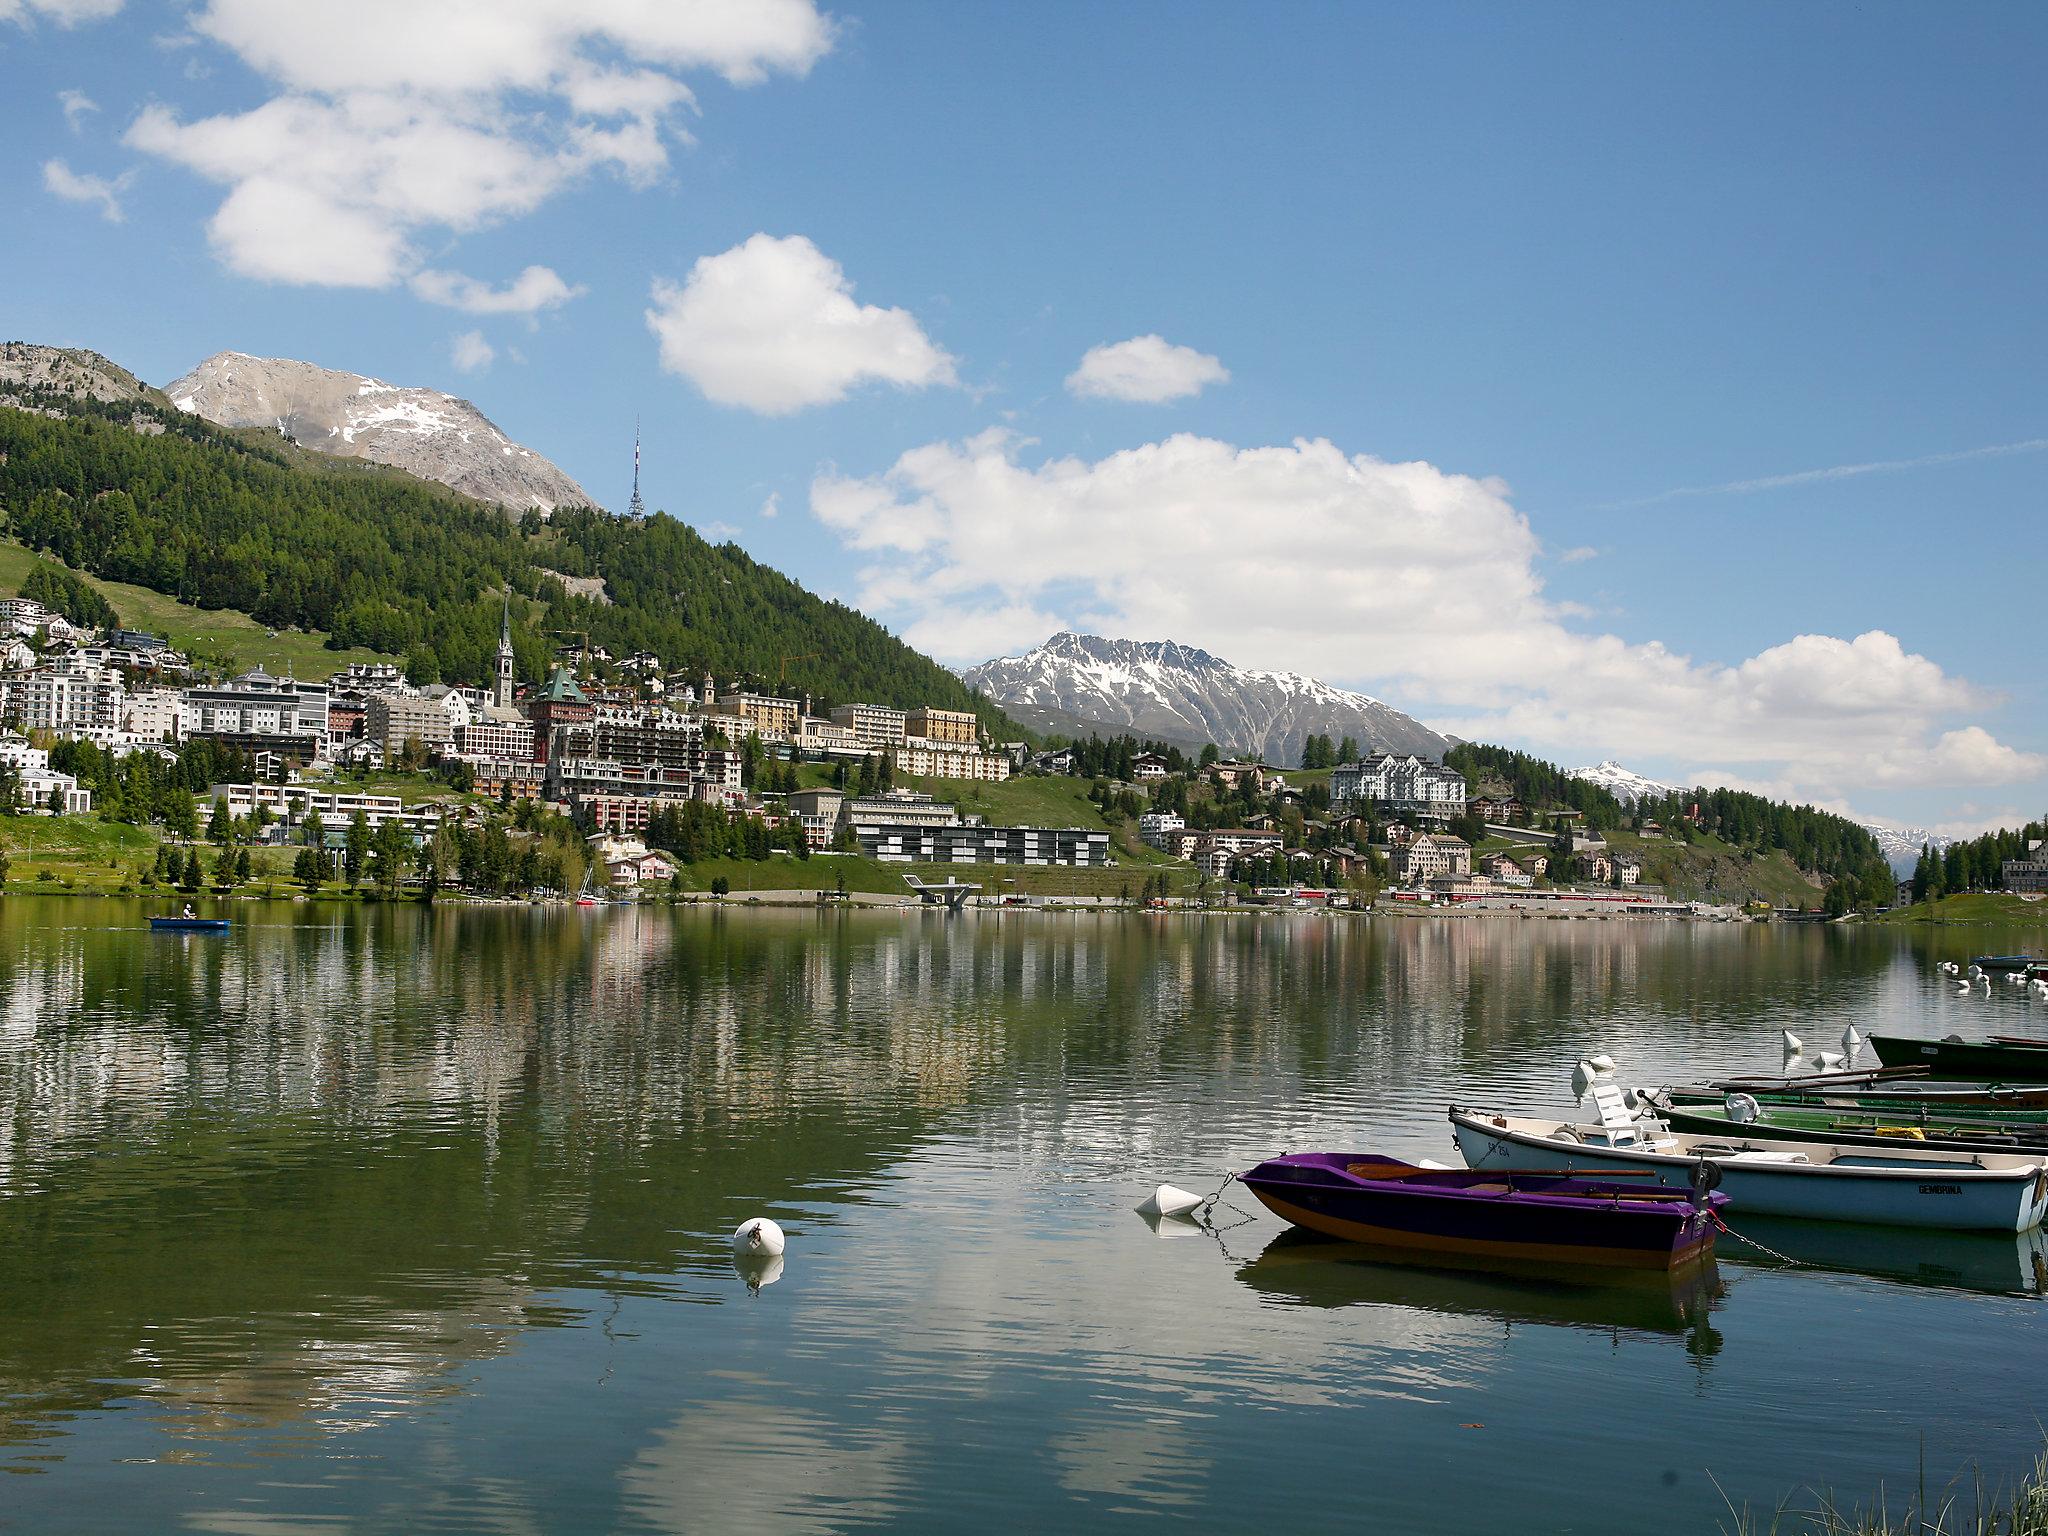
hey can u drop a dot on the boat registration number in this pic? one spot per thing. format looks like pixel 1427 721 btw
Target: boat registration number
pixel 1941 1189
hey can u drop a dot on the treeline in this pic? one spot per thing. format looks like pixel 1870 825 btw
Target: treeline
pixel 1819 842
pixel 149 787
pixel 1317 752
pixel 1117 757
pixel 1536 783
pixel 67 593
pixel 694 830
pixel 229 520
pixel 1977 865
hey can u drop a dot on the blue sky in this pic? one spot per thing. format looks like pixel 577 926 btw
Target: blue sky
pixel 1508 275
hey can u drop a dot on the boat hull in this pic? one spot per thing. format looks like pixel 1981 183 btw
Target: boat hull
pixel 1992 1101
pixel 1879 1187
pixel 1980 1061
pixel 189 924
pixel 1489 1221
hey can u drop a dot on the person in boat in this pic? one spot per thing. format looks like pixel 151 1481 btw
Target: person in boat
pixel 188 914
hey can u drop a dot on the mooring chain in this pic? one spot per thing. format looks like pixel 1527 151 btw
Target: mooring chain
pixel 1765 1248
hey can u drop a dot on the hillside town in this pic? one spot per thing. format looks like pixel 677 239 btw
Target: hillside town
pixel 619 747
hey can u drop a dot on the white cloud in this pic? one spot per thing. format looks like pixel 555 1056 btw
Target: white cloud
pixel 470 352
pixel 1416 582
pixel 77 187
pixel 534 290
pixel 772 325
pixel 1148 369
pixel 772 507
pixel 75 104
pixel 395 121
pixel 65 13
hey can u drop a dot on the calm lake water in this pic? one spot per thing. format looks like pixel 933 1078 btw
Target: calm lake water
pixel 386 1220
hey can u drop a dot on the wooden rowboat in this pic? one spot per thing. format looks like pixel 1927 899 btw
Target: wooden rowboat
pixel 1515 1215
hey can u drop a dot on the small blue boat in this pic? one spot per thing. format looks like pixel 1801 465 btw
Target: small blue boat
pixel 189 924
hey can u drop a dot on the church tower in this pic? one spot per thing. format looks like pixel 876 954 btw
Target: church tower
pixel 502 696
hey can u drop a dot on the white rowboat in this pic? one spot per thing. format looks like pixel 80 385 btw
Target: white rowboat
pixel 1958 1191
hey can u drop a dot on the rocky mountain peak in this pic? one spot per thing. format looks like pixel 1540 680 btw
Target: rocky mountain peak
pixel 424 432
pixel 1168 691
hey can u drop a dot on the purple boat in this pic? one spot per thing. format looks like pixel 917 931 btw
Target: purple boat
pixel 1540 1215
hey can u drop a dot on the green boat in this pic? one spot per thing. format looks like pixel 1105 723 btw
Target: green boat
pixel 1854 1127
pixel 1985 1104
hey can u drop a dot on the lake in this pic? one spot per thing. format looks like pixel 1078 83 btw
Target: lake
pixel 387 1219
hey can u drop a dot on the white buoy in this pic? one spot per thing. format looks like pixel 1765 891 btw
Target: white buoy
pixel 1852 1040
pixel 1791 1043
pixel 1830 1061
pixel 1167 1200
pixel 757 1238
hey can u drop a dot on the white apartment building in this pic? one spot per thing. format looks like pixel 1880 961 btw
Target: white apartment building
pixel 22 615
pixel 1155 827
pixel 154 714
pixel 294 803
pixel 256 704
pixel 1409 786
pixel 922 759
pixel 873 725
pixel 65 700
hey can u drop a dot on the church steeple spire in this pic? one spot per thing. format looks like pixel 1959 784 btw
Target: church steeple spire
pixel 502 695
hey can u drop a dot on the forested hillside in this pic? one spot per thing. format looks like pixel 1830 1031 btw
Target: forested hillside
pixel 1818 841
pixel 142 493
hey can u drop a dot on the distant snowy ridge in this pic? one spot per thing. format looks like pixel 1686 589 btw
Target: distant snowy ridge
pixel 1901 845
pixel 421 431
pixel 1624 784
pixel 1174 692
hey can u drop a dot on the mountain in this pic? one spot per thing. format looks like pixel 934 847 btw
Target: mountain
pixel 421 431
pixel 1902 845
pixel 134 490
pixel 1622 783
pixel 1172 692
pixel 29 371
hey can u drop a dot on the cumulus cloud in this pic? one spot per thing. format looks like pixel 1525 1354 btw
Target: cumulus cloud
pixel 470 352
pixel 75 104
pixel 1148 369
pixel 772 325
pixel 395 121
pixel 534 290
pixel 1419 583
pixel 77 187
pixel 65 13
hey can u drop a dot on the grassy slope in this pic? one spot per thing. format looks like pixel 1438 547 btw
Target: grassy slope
pixel 1985 907
pixel 217 632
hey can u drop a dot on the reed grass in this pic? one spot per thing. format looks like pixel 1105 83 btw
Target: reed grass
pixel 1965 1508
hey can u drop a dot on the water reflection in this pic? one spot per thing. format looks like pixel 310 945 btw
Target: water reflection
pixel 1303 1269
pixel 345 1196
pixel 1993 1263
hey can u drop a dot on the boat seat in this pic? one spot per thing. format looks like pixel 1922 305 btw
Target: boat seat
pixel 1489 1189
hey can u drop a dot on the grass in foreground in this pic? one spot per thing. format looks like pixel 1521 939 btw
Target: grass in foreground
pixel 1958 1511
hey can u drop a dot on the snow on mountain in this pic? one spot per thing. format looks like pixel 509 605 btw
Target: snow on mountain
pixel 1622 783
pixel 421 431
pixel 1901 845
pixel 1173 692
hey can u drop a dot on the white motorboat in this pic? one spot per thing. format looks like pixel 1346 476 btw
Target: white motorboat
pixel 1956 1191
